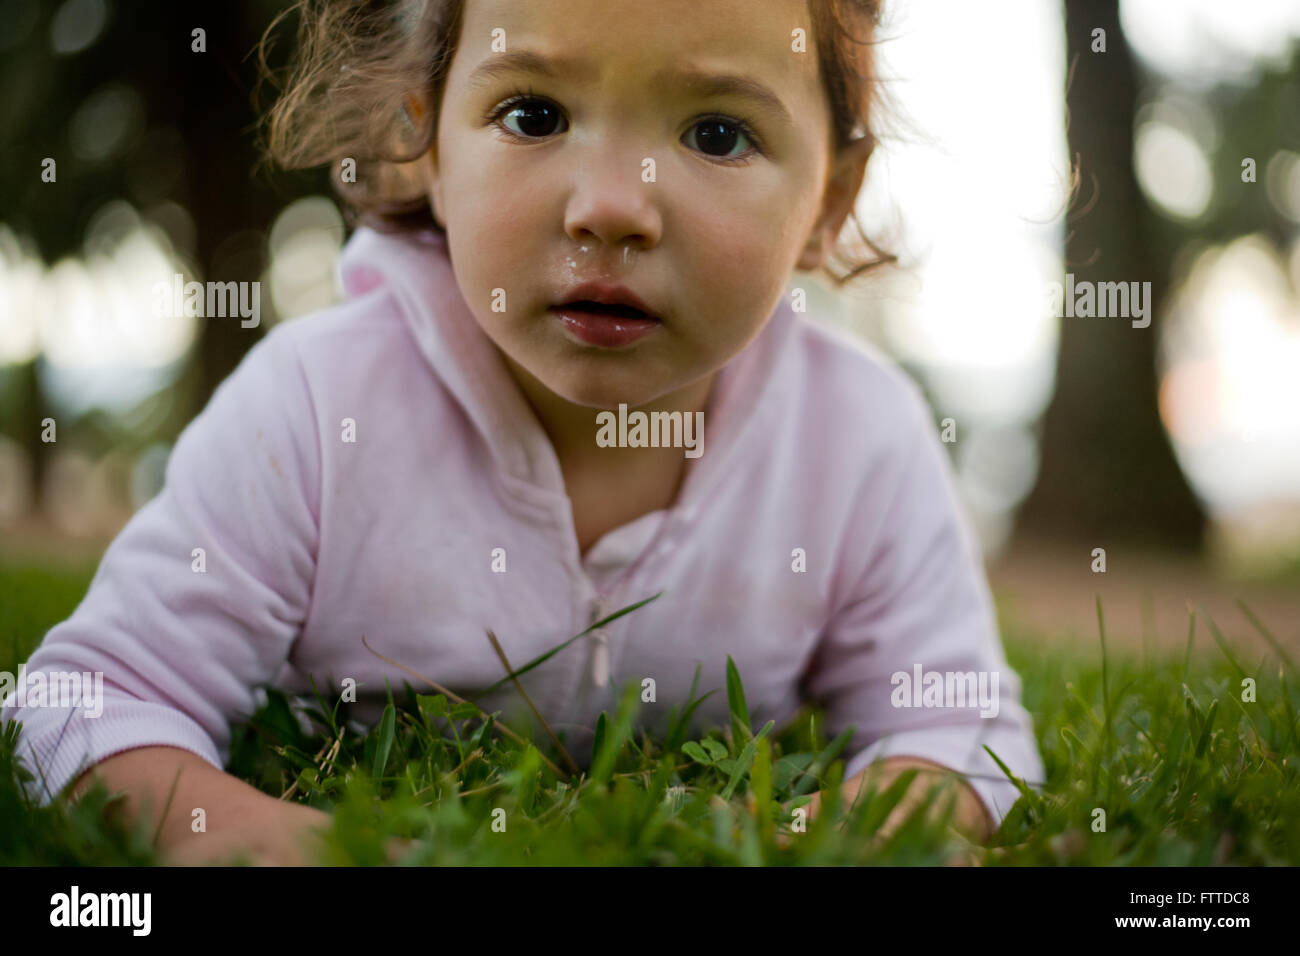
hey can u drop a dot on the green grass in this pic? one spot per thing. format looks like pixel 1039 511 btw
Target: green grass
pixel 1185 770
pixel 32 600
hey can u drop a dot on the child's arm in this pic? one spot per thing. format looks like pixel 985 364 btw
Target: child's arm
pixel 914 601
pixel 200 597
pixel 237 820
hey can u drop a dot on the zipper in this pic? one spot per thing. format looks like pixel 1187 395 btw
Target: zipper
pixel 600 646
pixel 601 607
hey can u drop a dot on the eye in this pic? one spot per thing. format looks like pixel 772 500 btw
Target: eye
pixel 717 136
pixel 536 118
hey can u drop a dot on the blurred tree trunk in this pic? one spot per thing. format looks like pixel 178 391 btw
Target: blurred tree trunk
pixel 1108 472
pixel 216 127
pixel 205 97
pixel 31 410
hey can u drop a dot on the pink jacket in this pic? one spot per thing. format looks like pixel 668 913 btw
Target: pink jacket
pixel 817 541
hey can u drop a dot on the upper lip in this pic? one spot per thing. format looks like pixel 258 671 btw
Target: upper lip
pixel 606 294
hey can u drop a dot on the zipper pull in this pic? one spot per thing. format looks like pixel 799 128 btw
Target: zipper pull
pixel 600 649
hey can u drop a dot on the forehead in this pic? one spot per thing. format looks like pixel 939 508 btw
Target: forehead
pixel 648 41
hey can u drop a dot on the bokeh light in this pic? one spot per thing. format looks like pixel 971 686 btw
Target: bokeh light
pixel 305 243
pixel 1229 392
pixel 1203 42
pixel 1172 169
pixel 77 24
pixel 970 190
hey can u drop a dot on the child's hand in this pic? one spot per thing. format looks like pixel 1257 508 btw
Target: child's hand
pixel 284 836
pixel 237 819
pixel 970 819
pixel 273 834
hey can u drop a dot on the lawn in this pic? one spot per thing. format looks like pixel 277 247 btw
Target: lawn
pixel 1184 759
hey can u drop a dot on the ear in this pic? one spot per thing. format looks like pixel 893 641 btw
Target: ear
pixel 414 108
pixel 842 188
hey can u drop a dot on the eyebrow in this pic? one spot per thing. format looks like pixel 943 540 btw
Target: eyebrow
pixel 527 61
pixel 699 82
pixel 703 83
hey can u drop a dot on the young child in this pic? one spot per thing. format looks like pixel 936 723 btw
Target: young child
pixel 583 208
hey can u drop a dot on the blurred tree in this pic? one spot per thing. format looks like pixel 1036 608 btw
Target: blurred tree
pixel 1107 468
pixel 1108 471
pixel 189 137
pixel 1256 120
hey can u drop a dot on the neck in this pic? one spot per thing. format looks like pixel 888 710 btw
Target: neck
pixel 572 428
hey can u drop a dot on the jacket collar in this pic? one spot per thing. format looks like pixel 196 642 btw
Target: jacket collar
pixel 416 269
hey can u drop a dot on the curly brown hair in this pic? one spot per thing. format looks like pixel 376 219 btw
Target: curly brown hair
pixel 355 61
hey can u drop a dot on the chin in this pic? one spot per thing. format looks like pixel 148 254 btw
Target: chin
pixel 601 396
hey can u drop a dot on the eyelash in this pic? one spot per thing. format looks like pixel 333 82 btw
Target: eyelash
pixel 520 96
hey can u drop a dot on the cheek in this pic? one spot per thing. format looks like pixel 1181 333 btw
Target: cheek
pixel 740 259
pixel 489 239
pixel 483 221
pixel 753 222
pixel 482 206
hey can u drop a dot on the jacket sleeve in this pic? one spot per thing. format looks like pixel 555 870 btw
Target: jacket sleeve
pixel 918 604
pixel 200 597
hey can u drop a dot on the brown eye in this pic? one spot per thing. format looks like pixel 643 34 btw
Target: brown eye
pixel 535 118
pixel 717 137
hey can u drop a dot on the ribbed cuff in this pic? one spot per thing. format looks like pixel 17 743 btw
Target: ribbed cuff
pixel 58 744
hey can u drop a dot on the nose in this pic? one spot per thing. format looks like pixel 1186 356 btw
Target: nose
pixel 611 203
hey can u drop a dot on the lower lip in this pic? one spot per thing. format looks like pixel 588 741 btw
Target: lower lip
pixel 604 330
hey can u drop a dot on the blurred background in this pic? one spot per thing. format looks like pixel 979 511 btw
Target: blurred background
pixel 1173 447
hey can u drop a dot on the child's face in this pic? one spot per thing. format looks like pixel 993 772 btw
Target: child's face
pixel 550 194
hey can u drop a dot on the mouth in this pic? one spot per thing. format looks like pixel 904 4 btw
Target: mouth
pixel 605 316
pixel 606 309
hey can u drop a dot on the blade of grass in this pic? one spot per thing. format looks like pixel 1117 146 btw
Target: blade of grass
pixel 387 725
pixel 1191 635
pixel 740 728
pixel 1034 799
pixel 330 713
pixel 1206 727
pixel 872 806
pixel 612 744
pixel 744 761
pixel 1290 711
pixel 1103 752
pixel 677 734
pixel 598 740
pixel 505 662
pixel 547 655
pixel 810 777
pixel 1222 642
pixel 760 781
pixel 1273 642
pixel 453 696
